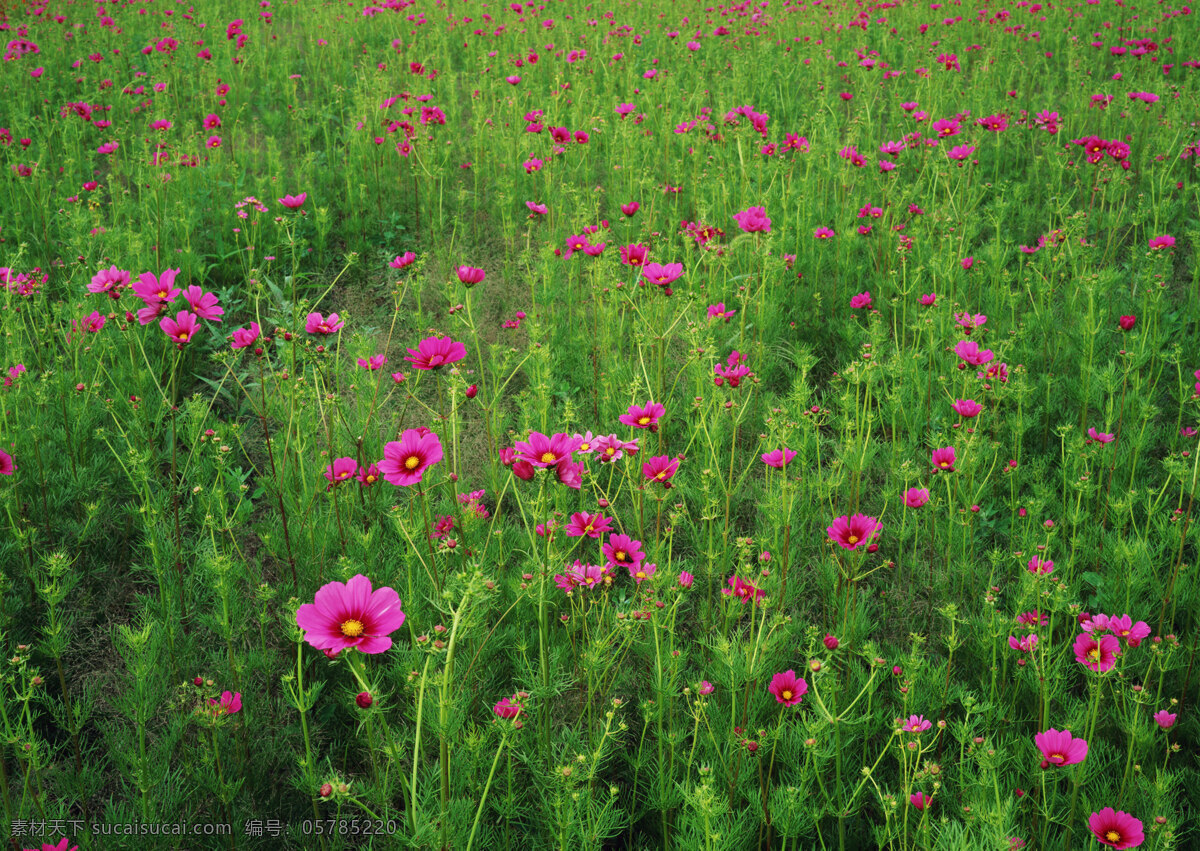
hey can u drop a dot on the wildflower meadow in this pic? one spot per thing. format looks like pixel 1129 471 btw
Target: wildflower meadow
pixel 619 425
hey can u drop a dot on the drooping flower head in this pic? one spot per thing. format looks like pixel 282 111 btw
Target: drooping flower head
pixel 1116 829
pixel 348 615
pixel 436 352
pixel 509 708
pixel 788 688
pixel 1097 654
pixel 405 461
pixel 1060 747
pixel 854 532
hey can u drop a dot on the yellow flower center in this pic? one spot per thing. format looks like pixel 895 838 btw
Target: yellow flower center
pixel 660 475
pixel 643 420
pixel 549 457
pixel 943 463
pixel 609 451
pixel 183 336
pixel 589 527
pixel 412 462
pixel 641 574
pixel 370 480
pixel 584 447
pixel 1113 835
pixel 620 555
pixel 1094 653
pixel 352 628
pixel 787 694
pixel 853 539
pixel 1058 757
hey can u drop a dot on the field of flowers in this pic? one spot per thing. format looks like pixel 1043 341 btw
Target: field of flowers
pixel 462 425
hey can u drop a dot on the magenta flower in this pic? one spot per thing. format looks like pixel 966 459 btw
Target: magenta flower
pixel 341 470
pixel 646 416
pixel 967 408
pixel 1116 829
pixel 470 275
pixel 753 220
pixel 853 532
pixel 778 458
pixel 243 337
pixel 970 352
pixel 916 497
pixel 929 299
pixel 718 311
pixel 662 274
pixel 1060 748
pixel 537 209
pixel 1024 645
pixel 1165 719
pixel 744 591
pixel 346 615
pixel 405 461
pixel 639 573
pixel 7 467
pixel 920 800
pixel 509 708
pixel 315 323
pixel 203 304
pixel 592 525
pixel 402 260
pixel 632 207
pixel 229 703
pixel 788 688
pixel 436 352
pixel 824 233
pixel 543 451
pixel 969 322
pixel 1165 241
pixel 110 280
pixel 621 550
pixel 150 288
pixel 373 363
pixel 368 475
pixel 1097 654
pixel 1040 567
pixel 1125 629
pixel 182 328
pixel 686 579
pixel 1099 436
pixel 660 469
pixel 570 473
pixel 634 255
pixel 862 301
pixel 917 724
pixel 294 202
pixel 943 459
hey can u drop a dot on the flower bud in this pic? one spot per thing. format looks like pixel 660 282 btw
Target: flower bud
pixel 364 700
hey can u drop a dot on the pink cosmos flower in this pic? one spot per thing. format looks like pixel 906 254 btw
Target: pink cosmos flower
pixel 470 275
pixel 570 473
pixel 646 416
pixel 634 254
pixel 778 458
pixel 753 220
pixel 592 525
pixel 373 363
pixel 967 408
pixel 943 459
pixel 509 708
pixel 611 448
pixel 920 800
pixel 970 322
pixel 150 288
pixel 229 703
pixel 110 280
pixel 662 274
pixel 1060 748
pixel 368 474
pixel 623 551
pixel 1125 629
pixel 1098 655
pixel 916 497
pixel 1164 719
pixel 733 371
pixel 405 461
pixel 862 301
pixel 7 467
pixel 347 615
pixel 1165 241
pixel 788 688
pixel 661 469
pixel 315 323
pixel 929 300
pixel 854 532
pixel 639 573
pixel 1099 436
pixel 436 352
pixel 203 304
pixel 686 579
pixel 182 328
pixel 917 724
pixel 543 451
pixel 402 260
pixel 61 845
pixel 341 470
pixel 630 208
pixel 718 311
pixel 1127 322
pixel 744 591
pixel 537 209
pixel 243 337
pixel 1040 567
pixel 1116 829
pixel 586 444
pixel 1025 645
pixel 970 352
pixel 824 233
pixel 294 202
